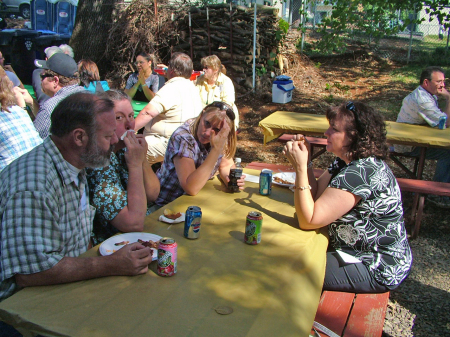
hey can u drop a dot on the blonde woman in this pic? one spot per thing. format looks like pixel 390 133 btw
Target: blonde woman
pixel 197 150
pixel 214 85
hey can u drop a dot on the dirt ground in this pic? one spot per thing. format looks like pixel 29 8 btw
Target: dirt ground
pixel 318 84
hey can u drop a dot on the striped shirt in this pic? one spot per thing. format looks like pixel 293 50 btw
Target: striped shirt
pixel 42 121
pixel 42 216
pixel 17 135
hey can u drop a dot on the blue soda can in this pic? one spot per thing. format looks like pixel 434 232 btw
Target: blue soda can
pixel 192 222
pixel 265 182
pixel 442 121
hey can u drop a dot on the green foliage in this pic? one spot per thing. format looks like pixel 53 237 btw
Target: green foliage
pixel 261 71
pixel 369 20
pixel 284 26
pixel 317 65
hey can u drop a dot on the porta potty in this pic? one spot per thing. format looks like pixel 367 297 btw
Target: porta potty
pixel 282 89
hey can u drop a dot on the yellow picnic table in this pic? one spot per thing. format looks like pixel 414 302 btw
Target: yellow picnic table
pixel 272 288
pixel 281 122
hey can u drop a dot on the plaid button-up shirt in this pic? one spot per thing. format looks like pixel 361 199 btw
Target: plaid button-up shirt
pixel 17 135
pixel 42 216
pixel 42 121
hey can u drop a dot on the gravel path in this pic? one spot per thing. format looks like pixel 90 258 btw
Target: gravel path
pixel 421 305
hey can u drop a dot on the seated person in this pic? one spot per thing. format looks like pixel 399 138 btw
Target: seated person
pixel 10 73
pixel 59 80
pixel 358 199
pixel 145 83
pixel 196 151
pixel 122 191
pixel 90 78
pixel 17 132
pixel 420 107
pixel 174 104
pixel 214 85
pixel 45 216
pixel 36 80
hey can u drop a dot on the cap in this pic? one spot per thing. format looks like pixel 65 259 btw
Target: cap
pixel 59 63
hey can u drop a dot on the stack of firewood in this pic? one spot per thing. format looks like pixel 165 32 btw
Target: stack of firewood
pixel 229 35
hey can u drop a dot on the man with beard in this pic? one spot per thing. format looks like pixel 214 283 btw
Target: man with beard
pixel 45 216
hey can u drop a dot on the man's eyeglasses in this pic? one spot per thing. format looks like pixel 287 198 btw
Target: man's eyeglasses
pixel 224 106
pixel 351 107
pixel 43 76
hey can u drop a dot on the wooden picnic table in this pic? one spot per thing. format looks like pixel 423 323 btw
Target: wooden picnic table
pixel 273 288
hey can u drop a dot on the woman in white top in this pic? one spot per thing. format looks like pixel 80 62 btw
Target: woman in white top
pixel 214 85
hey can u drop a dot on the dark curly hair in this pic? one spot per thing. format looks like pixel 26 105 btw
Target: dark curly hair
pixel 365 128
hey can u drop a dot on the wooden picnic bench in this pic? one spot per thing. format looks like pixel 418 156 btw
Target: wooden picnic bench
pixel 350 315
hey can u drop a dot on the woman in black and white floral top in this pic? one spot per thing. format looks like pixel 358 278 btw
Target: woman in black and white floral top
pixel 358 198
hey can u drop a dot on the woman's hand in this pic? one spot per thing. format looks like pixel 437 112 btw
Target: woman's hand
pixel 219 139
pixel 141 78
pixel 136 150
pixel 297 152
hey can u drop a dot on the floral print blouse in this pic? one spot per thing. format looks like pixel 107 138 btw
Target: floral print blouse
pixel 108 194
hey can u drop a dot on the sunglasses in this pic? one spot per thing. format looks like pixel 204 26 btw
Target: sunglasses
pixel 224 106
pixel 45 76
pixel 351 107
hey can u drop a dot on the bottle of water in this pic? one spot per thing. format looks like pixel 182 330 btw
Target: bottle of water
pixel 235 175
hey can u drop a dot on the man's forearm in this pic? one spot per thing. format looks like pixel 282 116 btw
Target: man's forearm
pixel 69 269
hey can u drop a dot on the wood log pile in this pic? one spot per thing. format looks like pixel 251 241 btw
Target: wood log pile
pixel 229 35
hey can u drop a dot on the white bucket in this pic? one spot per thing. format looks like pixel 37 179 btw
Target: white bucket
pixel 282 91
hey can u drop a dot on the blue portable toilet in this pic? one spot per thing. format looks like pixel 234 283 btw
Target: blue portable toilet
pixel 64 16
pixel 41 15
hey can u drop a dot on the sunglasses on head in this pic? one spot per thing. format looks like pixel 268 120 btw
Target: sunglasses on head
pixel 351 107
pixel 45 76
pixel 225 107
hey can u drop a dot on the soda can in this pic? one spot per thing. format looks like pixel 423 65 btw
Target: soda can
pixel 265 182
pixel 442 122
pixel 167 257
pixel 253 225
pixel 192 222
pixel 235 175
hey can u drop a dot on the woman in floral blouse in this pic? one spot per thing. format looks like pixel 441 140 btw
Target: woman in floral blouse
pixel 358 198
pixel 123 191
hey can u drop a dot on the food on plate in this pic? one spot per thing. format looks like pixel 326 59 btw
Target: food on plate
pixel 149 243
pixel 121 243
pixel 282 181
pixel 168 213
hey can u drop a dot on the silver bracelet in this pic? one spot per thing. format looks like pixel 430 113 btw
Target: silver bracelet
pixel 302 188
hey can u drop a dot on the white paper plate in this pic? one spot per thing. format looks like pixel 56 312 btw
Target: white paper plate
pixel 286 176
pixel 181 218
pixel 108 246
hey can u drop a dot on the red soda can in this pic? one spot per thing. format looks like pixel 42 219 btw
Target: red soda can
pixel 167 257
pixel 253 225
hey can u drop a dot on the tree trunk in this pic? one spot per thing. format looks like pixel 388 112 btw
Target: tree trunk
pixel 93 21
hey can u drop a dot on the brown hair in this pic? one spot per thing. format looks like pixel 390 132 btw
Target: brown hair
pixel 230 148
pixel 88 71
pixel 181 65
pixel 213 62
pixel 7 97
pixel 367 132
pixel 63 80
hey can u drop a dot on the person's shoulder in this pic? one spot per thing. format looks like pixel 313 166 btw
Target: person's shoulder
pixel 31 171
